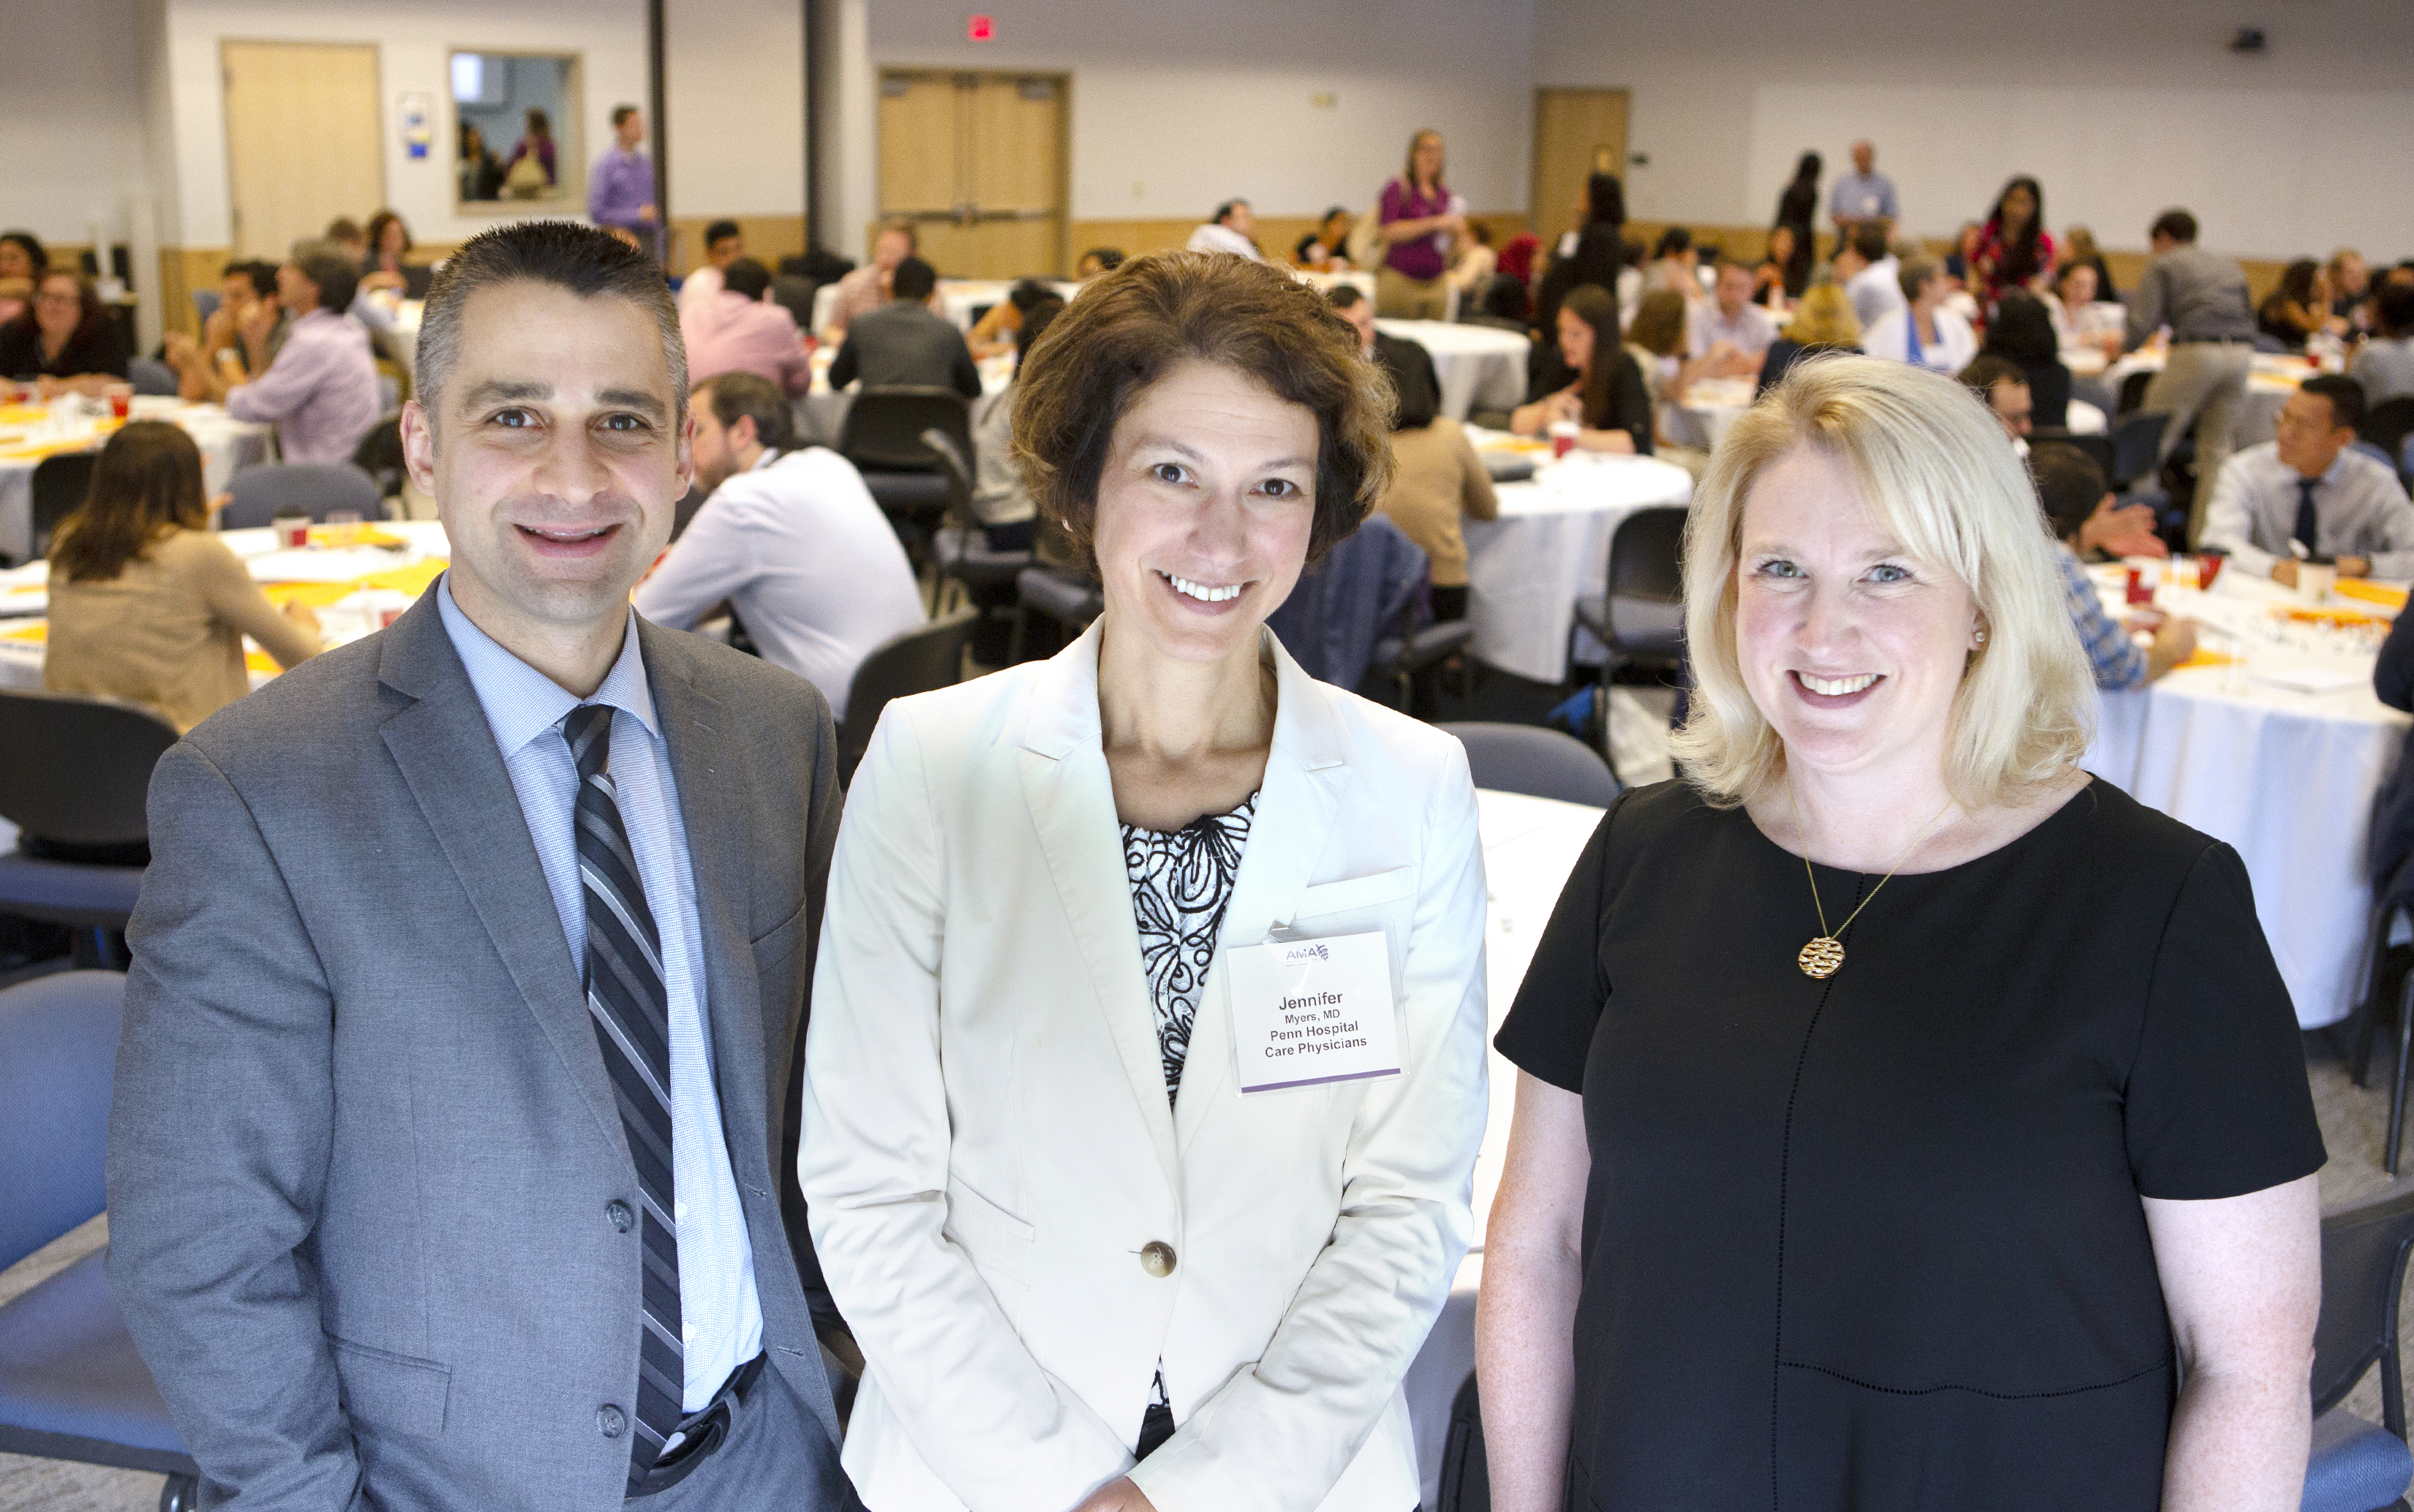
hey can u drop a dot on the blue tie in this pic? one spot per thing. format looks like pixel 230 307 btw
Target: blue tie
pixel 2308 525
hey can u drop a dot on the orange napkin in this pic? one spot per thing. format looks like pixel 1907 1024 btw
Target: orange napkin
pixel 317 595
pixel 412 580
pixel 2307 615
pixel 2371 592
pixel 37 451
pixel 260 661
pixel 36 632
pixel 2207 659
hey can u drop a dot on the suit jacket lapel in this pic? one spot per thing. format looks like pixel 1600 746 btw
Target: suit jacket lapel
pixel 446 753
pixel 1072 801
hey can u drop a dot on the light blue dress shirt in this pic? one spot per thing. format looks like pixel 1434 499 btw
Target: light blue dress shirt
pixel 719 1310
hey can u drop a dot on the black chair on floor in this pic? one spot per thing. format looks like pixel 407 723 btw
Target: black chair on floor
pixel 959 550
pixel 2358 1465
pixel 1399 660
pixel 2137 448
pixel 882 435
pixel 1543 763
pixel 2096 447
pixel 380 456
pixel 74 772
pixel 1069 599
pixel 2133 390
pixel 150 376
pixel 913 662
pixel 316 489
pixel 1640 621
pixel 2387 424
pixel 71 1385
pixel 1466 1476
pixel 59 485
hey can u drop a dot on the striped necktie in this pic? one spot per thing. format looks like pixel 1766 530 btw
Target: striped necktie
pixel 626 998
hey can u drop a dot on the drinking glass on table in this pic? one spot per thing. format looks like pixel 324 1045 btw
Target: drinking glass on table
pixel 343 528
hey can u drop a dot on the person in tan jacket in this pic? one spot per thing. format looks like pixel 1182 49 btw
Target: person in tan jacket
pixel 1437 481
pixel 145 603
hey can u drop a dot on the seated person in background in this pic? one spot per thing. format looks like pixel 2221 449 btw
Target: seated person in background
pixel 1658 332
pixel 246 295
pixel 1606 398
pixel 1822 323
pixel 1008 518
pixel 2022 332
pixel 2350 287
pixel 2308 494
pixel 383 268
pixel 2079 505
pixel 1958 263
pixel 1999 381
pixel 736 330
pixel 22 259
pixel 2385 365
pixel 65 340
pixel 1233 229
pixel 1676 264
pixel 322 389
pixel 1097 260
pixel 791 539
pixel 867 289
pixel 903 343
pixel 1325 249
pixel 2078 246
pixel 345 235
pixel 2082 316
pixel 1927 332
pixel 1410 366
pixel 146 602
pixel 1472 272
pixel 1436 481
pixel 992 335
pixel 1730 334
pixel 1872 274
pixel 1768 280
pixel 2298 308
pixel 724 243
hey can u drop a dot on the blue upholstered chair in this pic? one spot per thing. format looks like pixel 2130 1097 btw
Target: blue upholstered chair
pixel 74 772
pixel 315 488
pixel 2357 1465
pixel 71 1385
pixel 1543 763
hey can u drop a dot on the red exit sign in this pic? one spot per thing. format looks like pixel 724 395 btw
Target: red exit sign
pixel 981 29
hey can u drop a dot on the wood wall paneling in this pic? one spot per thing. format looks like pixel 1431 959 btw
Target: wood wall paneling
pixel 769 238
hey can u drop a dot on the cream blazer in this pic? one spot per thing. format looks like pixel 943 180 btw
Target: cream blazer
pixel 988 1146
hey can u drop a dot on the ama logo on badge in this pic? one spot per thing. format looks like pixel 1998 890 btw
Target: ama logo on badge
pixel 1300 953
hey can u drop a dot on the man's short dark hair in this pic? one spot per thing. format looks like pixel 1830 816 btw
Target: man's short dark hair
pixel 1914 272
pixel 2176 224
pixel 262 276
pixel 746 276
pixel 1224 210
pixel 1109 258
pixel 561 253
pixel 2345 393
pixel 1026 293
pixel 1345 296
pixel 1869 240
pixel 1673 240
pixel 620 114
pixel 344 229
pixel 722 230
pixel 2395 304
pixel 1035 321
pixel 2069 485
pixel 735 396
pixel 332 269
pixel 914 279
pixel 1988 369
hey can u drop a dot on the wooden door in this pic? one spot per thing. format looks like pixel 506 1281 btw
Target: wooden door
pixel 977 162
pixel 303 140
pixel 1578 132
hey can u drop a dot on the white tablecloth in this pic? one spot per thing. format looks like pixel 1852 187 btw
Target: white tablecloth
pixel 1480 367
pixel 1550 547
pixel 1710 406
pixel 963 298
pixel 2274 377
pixel 226 445
pixel 2285 777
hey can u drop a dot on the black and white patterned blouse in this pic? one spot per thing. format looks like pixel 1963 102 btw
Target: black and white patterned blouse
pixel 1181 880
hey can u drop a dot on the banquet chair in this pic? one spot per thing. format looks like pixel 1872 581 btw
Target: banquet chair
pixel 71 1385
pixel 2133 390
pixel 916 661
pixel 59 485
pixel 1640 621
pixel 1539 762
pixel 2389 425
pixel 151 376
pixel 74 772
pixel 2358 1465
pixel 959 550
pixel 1068 598
pixel 1443 1362
pixel 2136 447
pixel 315 488
pixel 205 303
pixel 1466 1484
pixel 2098 448
pixel 882 435
pixel 380 456
pixel 1400 660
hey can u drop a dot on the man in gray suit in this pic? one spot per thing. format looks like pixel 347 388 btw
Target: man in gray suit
pixel 446 1157
pixel 903 343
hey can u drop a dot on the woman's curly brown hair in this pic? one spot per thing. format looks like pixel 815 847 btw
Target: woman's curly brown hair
pixel 1130 327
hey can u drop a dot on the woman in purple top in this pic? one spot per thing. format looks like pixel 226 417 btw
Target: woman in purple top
pixel 536 141
pixel 1417 220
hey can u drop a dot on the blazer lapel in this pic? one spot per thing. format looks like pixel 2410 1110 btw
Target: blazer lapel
pixel 1072 801
pixel 1307 771
pixel 446 753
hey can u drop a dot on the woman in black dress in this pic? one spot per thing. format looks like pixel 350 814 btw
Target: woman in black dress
pixel 1596 386
pixel 65 339
pixel 1797 206
pixel 2022 332
pixel 1906 1120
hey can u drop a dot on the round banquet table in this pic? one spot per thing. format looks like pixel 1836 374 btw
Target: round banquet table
pixel 2273 742
pixel 1481 367
pixel 1550 547
pixel 30 433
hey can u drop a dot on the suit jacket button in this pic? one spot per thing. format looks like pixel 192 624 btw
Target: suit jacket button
pixel 610 1420
pixel 1157 1258
pixel 622 1218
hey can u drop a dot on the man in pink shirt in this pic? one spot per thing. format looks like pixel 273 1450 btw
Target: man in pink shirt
pixel 738 330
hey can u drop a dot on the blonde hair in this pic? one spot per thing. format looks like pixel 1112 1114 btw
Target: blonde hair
pixel 1824 319
pixel 1941 479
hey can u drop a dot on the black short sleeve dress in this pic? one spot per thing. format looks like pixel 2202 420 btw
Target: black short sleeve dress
pixel 1875 1242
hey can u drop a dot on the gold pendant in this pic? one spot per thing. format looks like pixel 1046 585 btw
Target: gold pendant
pixel 1821 958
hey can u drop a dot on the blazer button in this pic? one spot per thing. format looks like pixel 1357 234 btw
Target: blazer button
pixel 1157 1258
pixel 610 1420
pixel 622 1218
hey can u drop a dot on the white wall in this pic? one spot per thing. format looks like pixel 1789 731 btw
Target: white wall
pixel 71 120
pixel 733 102
pixel 2119 107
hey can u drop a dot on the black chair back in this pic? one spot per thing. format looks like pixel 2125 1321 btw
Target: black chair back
pixel 60 485
pixel 882 430
pixel 380 456
pixel 1643 553
pixel 1528 759
pixel 2137 446
pixel 2099 448
pixel 795 295
pixel 1466 1477
pixel 58 1053
pixel 2387 424
pixel 957 468
pixel 316 489
pixel 2133 390
pixel 2363 1268
pixel 916 661
pixel 74 771
pixel 150 376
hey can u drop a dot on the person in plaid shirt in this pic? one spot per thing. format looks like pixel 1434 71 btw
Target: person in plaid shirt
pixel 2079 502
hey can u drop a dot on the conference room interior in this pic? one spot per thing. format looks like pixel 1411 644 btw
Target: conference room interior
pixel 159 148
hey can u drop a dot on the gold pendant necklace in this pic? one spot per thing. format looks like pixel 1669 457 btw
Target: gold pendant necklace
pixel 1825 956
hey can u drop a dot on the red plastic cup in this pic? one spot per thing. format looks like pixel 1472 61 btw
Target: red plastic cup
pixel 1562 443
pixel 119 404
pixel 2208 566
pixel 293 530
pixel 2139 591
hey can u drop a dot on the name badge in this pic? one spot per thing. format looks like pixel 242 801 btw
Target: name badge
pixel 1305 1011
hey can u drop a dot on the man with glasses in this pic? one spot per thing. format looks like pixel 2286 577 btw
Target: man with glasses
pixel 2309 496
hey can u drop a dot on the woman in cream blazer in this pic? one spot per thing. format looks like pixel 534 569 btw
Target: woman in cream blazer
pixel 1084 1268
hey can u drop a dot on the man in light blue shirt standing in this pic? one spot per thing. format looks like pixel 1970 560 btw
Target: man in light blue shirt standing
pixel 1864 195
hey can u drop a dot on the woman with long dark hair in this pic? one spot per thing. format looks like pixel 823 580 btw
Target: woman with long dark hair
pixel 1797 208
pixel 65 339
pixel 2014 247
pixel 1600 252
pixel 22 259
pixel 2298 308
pixel 1606 398
pixel 2022 331
pixel 146 602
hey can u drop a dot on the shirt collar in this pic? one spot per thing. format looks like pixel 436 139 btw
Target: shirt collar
pixel 522 702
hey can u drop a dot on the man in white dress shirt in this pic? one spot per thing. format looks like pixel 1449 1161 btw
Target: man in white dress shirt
pixel 791 539
pixel 1233 228
pixel 2306 496
pixel 1927 330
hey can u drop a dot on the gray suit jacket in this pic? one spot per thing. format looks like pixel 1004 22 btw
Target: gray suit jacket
pixel 901 344
pixel 363 1142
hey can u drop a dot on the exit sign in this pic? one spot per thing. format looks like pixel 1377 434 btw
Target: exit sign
pixel 981 29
